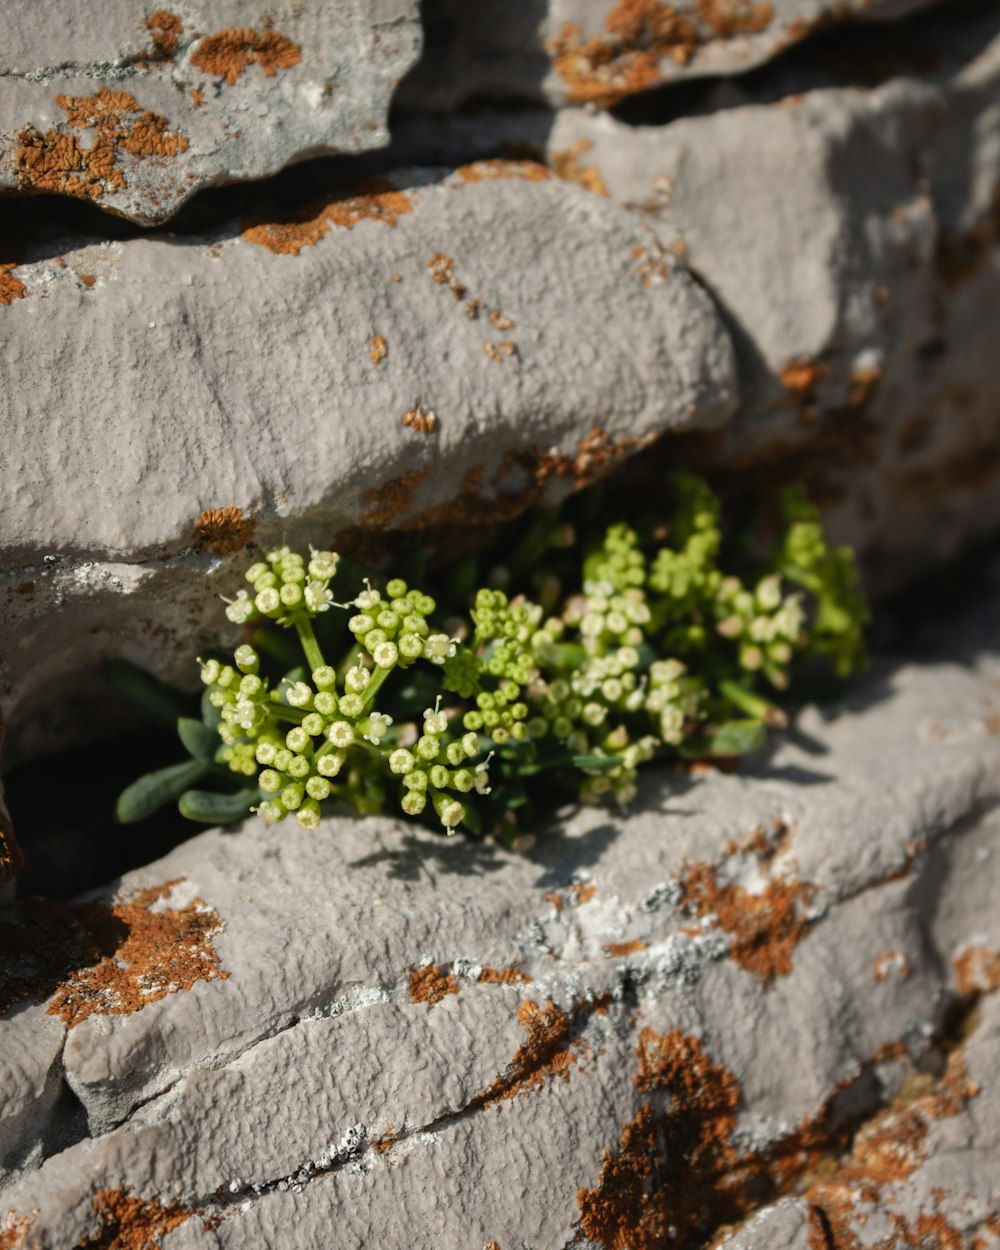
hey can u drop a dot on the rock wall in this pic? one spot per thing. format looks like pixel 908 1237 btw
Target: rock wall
pixel 789 275
pixel 761 1003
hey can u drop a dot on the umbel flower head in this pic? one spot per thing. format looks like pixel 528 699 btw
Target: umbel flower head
pixel 662 646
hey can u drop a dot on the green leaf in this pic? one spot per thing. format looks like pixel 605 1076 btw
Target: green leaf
pixel 596 763
pixel 734 737
pixel 145 796
pixel 144 691
pixel 218 809
pixel 200 742
pixel 212 716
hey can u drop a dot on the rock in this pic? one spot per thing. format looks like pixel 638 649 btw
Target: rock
pixel 660 1021
pixel 848 234
pixel 602 52
pixel 445 347
pixel 137 110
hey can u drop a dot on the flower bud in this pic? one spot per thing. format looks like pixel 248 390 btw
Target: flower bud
pixel 247 660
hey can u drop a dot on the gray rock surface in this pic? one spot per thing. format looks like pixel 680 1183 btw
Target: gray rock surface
pixel 665 1019
pixel 848 234
pixel 604 51
pixel 467 342
pixel 136 110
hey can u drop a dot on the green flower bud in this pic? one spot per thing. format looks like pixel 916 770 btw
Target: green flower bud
pixel 402 761
pixel 250 685
pixel 325 703
pixel 413 803
pixel 210 671
pixel 291 797
pixel 254 571
pixel 329 765
pixel 361 624
pixel 428 747
pixel 265 753
pixel 282 759
pixel 464 780
pixel 247 659
pixel 313 724
pixel 297 739
pixel 267 601
pixel 308 816
pixel 437 774
pixel 351 705
pixel 270 781
pixel 299 768
pixel 385 655
pixel 470 744
pixel 416 780
pixel 273 813
pixel 357 680
pixel 396 589
pixel 450 811
pixel 340 733
pixel 318 788
pixel 324 677
pixel 299 695
pixel 411 646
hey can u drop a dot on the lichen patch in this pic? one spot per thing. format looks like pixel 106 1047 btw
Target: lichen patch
pixel 429 985
pixel 666 1177
pixel 638 36
pixel 125 1222
pixel 165 30
pixel 977 971
pixel 764 924
pixel 504 976
pixel 223 530
pixel 93 959
pixel 565 164
pixel 550 1050
pixel 14 1230
pixel 492 170
pixel 378 349
pixel 370 199
pixel 56 161
pixel 11 288
pixel 229 53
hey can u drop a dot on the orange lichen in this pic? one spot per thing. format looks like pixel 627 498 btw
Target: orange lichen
pixel 668 1174
pixel 388 503
pixel 504 976
pixel 638 36
pixel 370 199
pixel 228 53
pixel 92 959
pixel 166 28
pixel 419 419
pixel 618 950
pixel 14 1230
pixel 651 265
pixel 577 892
pixel 549 1051
pixel 765 925
pixel 500 351
pixel 223 530
pixel 378 349
pixel 429 985
pixel 890 963
pixel 801 379
pixel 129 1223
pixel 885 1152
pixel 595 455
pixel 11 288
pixel 977 971
pixel 57 162
pixel 565 164
pixel 490 171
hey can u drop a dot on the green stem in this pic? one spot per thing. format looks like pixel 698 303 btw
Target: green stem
pixel 293 714
pixel 310 646
pixel 378 678
pixel 753 705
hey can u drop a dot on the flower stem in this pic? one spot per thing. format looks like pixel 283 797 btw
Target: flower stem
pixel 310 646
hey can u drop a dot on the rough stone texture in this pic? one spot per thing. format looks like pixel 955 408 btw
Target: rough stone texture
pixel 736 998
pixel 604 51
pixel 449 346
pixel 136 109
pixel 849 236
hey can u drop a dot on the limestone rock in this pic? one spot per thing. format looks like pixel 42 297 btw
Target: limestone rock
pixel 449 346
pixel 136 110
pixel 659 1020
pixel 849 236
pixel 603 51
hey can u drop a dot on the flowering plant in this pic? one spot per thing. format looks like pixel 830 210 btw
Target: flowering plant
pixel 657 651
